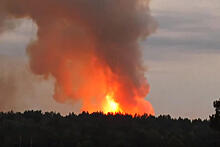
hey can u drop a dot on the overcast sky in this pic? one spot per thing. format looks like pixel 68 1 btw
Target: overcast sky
pixel 182 57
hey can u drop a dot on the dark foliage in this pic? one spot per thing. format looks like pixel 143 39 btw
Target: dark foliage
pixel 34 129
pixel 215 119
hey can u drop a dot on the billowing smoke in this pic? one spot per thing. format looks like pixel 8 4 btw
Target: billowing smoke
pixel 90 47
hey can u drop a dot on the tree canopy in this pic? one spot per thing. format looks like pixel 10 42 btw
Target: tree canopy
pixel 50 129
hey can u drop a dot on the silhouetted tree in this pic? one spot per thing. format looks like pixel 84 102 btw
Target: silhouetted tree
pixel 215 119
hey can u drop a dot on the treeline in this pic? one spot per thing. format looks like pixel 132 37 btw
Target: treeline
pixel 37 129
pixel 215 118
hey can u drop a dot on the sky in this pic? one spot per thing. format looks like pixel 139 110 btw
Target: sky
pixel 182 58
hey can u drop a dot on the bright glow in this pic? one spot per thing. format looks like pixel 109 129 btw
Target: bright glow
pixel 111 105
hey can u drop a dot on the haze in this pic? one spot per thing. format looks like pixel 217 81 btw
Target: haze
pixel 182 57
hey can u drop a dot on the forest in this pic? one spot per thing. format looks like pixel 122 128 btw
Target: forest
pixel 50 129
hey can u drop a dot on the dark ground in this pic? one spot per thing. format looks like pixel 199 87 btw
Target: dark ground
pixel 34 129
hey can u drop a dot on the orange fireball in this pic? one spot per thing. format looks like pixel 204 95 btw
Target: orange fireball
pixel 110 105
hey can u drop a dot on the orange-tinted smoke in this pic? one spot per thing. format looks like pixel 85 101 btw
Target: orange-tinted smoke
pixel 91 48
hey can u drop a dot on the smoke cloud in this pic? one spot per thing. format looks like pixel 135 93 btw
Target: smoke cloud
pixel 90 47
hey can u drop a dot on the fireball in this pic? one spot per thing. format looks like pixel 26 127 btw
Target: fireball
pixel 111 105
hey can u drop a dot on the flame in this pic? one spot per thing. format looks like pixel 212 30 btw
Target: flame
pixel 111 105
pixel 102 91
pixel 89 50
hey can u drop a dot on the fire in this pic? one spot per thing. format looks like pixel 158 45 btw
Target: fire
pixel 91 49
pixel 111 105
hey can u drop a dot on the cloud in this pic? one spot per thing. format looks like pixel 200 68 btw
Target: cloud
pixel 13 42
pixel 182 33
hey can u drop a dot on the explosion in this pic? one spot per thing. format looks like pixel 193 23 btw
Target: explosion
pixel 91 48
pixel 111 105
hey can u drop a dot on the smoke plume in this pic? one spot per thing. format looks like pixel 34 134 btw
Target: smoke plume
pixel 90 47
